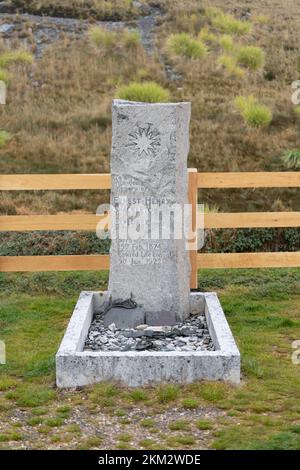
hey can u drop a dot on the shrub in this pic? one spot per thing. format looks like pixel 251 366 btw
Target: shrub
pixel 251 57
pixel 229 24
pixel 207 36
pixel 185 45
pixel 4 137
pixel 10 57
pixel 4 76
pixel 255 114
pixel 147 92
pixel 102 37
pixel 230 64
pixel 226 42
pixel 292 159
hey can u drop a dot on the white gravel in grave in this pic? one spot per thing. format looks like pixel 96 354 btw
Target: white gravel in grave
pixel 191 335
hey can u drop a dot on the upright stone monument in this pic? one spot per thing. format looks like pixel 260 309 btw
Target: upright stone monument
pixel 149 174
pixel 149 272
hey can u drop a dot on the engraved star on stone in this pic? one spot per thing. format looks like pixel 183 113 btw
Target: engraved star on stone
pixel 145 141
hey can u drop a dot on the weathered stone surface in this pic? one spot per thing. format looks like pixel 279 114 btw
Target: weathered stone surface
pixel 124 318
pixel 76 367
pixel 149 165
pixel 161 317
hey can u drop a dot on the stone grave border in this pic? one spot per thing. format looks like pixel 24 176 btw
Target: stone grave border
pixel 76 367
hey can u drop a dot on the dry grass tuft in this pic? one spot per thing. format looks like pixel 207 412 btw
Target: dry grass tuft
pixel 255 114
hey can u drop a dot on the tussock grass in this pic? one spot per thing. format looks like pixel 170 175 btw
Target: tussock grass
pixel 291 159
pixel 184 45
pixel 131 39
pixel 147 423
pixel 167 393
pixel 190 403
pixel 147 92
pixel 180 441
pixel 15 57
pixel 138 395
pixel 205 35
pixel 228 23
pixel 204 424
pixel 297 110
pixel 256 115
pixel 229 62
pixel 102 37
pixel 4 76
pixel 107 39
pixel 98 9
pixel 179 425
pixel 227 43
pixel 260 19
pixel 4 138
pixel 251 57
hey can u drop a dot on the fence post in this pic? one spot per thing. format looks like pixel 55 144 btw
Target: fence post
pixel 193 200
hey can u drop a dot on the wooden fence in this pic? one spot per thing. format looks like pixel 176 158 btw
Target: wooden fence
pixel 197 181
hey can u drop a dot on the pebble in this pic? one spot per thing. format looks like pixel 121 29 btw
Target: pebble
pixel 191 335
pixel 141 327
pixel 5 28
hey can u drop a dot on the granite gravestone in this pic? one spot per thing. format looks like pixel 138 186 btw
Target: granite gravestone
pixel 150 146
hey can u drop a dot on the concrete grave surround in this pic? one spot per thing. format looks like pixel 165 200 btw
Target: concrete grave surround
pixel 75 367
pixel 150 146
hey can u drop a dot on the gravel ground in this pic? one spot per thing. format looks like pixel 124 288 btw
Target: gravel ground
pixel 191 335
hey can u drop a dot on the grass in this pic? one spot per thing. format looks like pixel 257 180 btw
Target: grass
pixel 106 39
pixel 102 37
pixel 97 9
pixel 207 36
pixel 184 45
pixel 147 92
pixel 190 403
pixel 251 57
pixel 229 62
pixel 147 423
pixel 226 42
pixel 4 138
pixel 179 425
pixel 167 393
pixel 4 76
pixel 255 115
pixel 204 424
pixel 228 23
pixel 65 124
pixel 138 395
pixel 15 57
pixel 260 19
pixel 291 159
pixel 262 309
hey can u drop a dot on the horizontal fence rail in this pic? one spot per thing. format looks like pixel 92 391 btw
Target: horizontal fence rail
pixel 88 222
pixel 284 179
pixel 98 262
